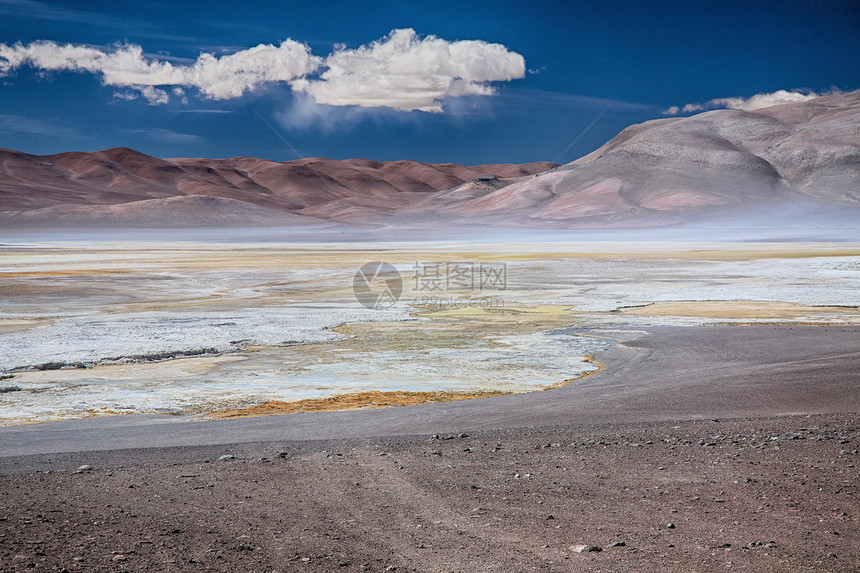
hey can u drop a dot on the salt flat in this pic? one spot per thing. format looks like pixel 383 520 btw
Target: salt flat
pixel 195 328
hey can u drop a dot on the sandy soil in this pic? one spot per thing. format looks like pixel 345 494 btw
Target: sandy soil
pixel 739 309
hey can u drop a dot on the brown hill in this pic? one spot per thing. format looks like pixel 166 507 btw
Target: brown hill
pixel 125 186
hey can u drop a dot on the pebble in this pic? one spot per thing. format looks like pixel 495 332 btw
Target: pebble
pixel 227 457
pixel 670 526
pixel 83 468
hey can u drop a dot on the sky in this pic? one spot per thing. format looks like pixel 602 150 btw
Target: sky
pixel 464 82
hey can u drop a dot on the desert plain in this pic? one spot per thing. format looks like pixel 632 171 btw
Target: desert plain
pixel 684 406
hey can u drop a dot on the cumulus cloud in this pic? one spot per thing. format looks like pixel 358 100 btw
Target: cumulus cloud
pixel 401 71
pixel 757 101
pixel 405 72
pixel 126 66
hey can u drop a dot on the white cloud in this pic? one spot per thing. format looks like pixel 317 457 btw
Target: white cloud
pixel 757 101
pixel 400 71
pixel 127 96
pixel 126 66
pixel 153 95
pixel 405 72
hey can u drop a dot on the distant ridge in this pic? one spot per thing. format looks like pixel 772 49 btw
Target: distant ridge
pixel 660 172
pixel 122 185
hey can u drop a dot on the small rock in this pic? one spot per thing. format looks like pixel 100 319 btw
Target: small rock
pixel 120 557
pixel 670 526
pixel 618 544
pixel 83 468
pixel 227 457
pixel 585 548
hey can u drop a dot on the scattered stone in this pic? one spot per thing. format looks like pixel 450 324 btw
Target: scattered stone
pixel 618 544
pixel 227 457
pixel 120 557
pixel 670 526
pixel 84 468
pixel 585 548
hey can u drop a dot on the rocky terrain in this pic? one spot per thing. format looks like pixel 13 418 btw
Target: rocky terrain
pixel 799 158
pixel 766 494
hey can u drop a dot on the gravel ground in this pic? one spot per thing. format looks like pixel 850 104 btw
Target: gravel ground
pixel 763 494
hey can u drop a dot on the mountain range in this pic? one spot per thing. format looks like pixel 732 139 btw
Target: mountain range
pixel 660 172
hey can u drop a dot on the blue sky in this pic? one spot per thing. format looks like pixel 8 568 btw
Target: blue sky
pixel 579 73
